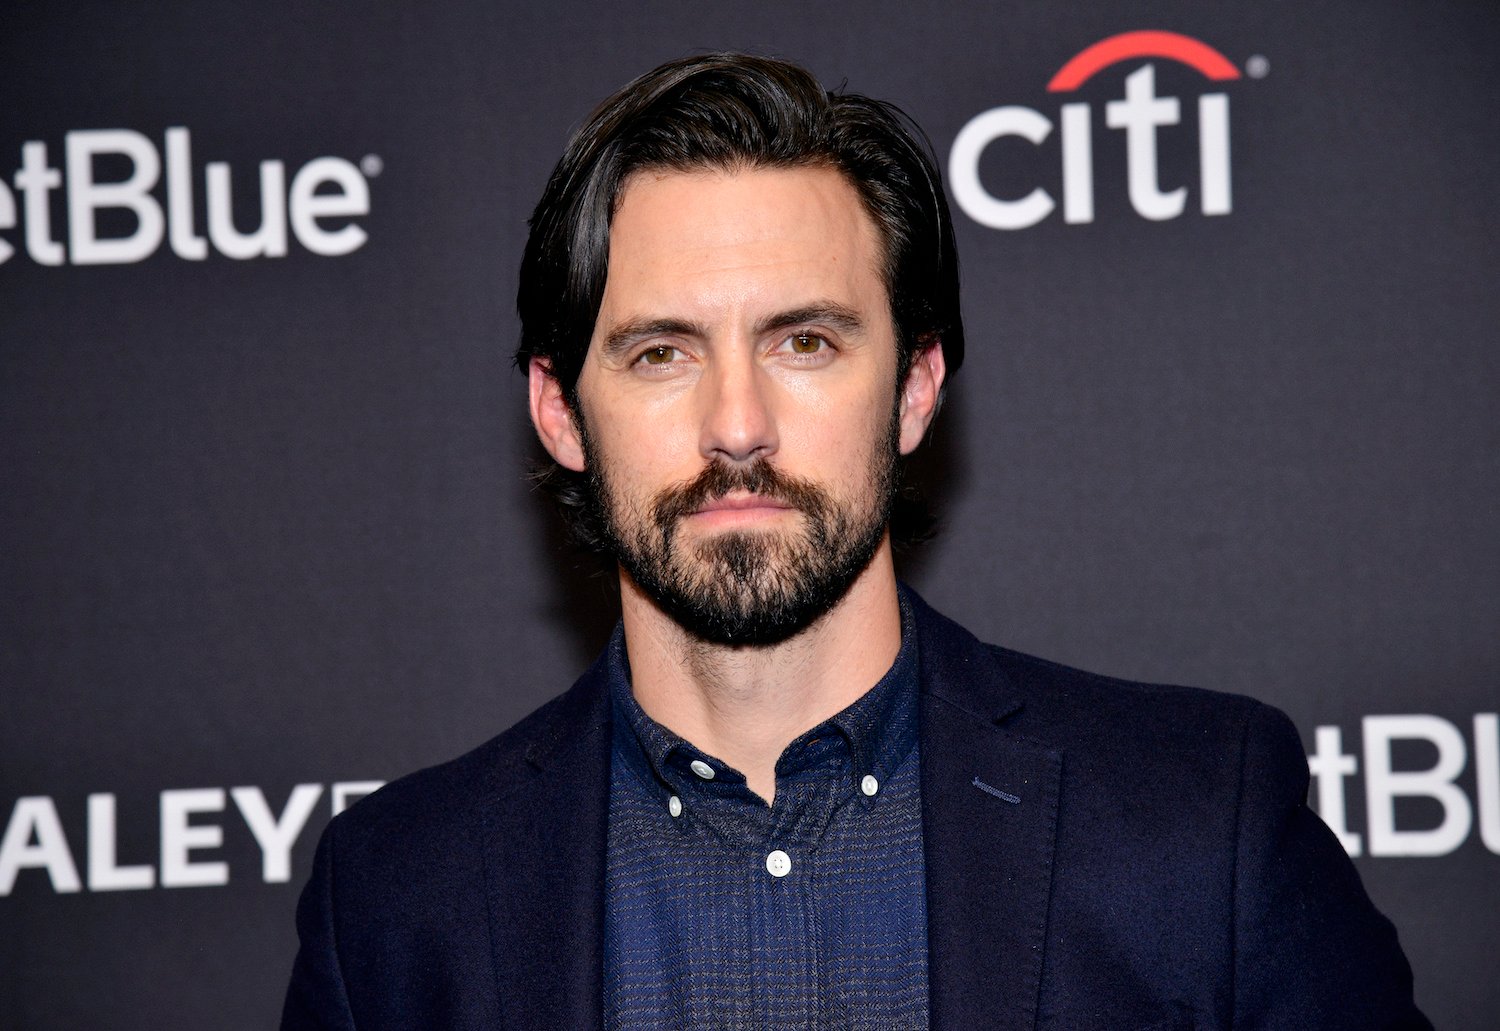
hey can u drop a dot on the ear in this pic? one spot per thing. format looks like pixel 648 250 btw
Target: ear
pixel 921 392
pixel 553 418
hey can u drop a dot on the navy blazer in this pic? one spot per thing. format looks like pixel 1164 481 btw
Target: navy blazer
pixel 1099 854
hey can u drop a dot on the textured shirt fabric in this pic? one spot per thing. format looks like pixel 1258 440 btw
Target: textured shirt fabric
pixel 722 912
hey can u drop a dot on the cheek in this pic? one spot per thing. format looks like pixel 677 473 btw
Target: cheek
pixel 850 439
pixel 640 454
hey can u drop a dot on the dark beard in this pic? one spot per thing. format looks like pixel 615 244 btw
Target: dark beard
pixel 749 587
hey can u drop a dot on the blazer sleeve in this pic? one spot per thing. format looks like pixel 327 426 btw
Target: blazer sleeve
pixel 1311 950
pixel 316 999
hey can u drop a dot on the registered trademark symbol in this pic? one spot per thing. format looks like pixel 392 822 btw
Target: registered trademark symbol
pixel 1258 66
pixel 371 165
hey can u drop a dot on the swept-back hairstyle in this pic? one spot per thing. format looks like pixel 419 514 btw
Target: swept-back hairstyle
pixel 730 111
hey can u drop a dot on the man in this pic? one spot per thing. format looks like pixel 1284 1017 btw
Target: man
pixel 789 794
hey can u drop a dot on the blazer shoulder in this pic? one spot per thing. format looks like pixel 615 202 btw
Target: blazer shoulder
pixel 422 802
pixel 1044 699
pixel 1151 720
pixel 1109 726
pixel 1048 681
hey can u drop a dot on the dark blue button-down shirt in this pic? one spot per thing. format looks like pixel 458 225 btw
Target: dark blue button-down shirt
pixel 722 912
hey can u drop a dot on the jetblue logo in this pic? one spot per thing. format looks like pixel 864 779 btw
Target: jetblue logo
pixel 318 205
pixel 1434 787
pixel 1140 114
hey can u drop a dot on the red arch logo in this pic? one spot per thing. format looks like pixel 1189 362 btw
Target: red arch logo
pixel 1145 43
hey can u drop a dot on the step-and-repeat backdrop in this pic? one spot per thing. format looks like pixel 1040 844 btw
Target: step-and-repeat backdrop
pixel 1229 418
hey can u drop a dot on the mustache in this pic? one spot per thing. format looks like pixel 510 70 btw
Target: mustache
pixel 719 478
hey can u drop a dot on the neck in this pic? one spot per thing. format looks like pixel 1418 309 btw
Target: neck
pixel 745 704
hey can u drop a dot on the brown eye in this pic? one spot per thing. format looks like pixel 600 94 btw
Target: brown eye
pixel 806 343
pixel 659 356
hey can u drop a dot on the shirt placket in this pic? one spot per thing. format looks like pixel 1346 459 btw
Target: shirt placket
pixel 785 942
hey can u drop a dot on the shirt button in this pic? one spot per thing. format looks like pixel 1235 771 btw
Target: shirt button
pixel 702 769
pixel 674 806
pixel 778 864
pixel 869 785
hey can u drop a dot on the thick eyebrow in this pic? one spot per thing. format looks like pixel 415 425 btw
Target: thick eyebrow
pixel 631 332
pixel 825 313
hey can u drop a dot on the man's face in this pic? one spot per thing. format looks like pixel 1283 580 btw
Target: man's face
pixel 739 410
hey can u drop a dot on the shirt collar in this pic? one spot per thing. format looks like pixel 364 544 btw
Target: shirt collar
pixel 877 731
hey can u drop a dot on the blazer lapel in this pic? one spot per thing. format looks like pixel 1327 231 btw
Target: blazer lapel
pixel 989 815
pixel 545 838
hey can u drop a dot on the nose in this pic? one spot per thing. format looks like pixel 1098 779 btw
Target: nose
pixel 739 423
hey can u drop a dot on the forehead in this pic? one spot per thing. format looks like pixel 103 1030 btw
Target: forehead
pixel 716 237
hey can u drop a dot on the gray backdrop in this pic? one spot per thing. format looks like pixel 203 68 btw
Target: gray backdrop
pixel 262 515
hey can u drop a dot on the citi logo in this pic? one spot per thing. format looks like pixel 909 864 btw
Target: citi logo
pixel 1140 114
pixel 107 181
